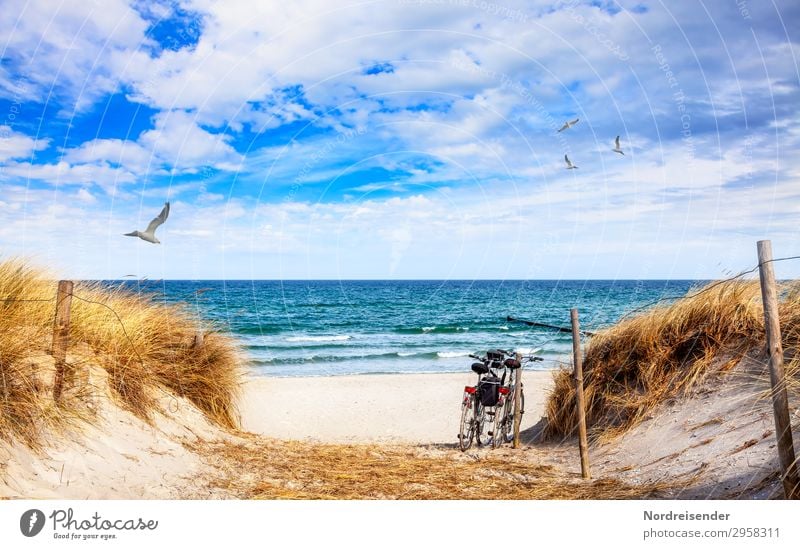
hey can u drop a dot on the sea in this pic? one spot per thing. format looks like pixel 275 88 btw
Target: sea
pixel 324 328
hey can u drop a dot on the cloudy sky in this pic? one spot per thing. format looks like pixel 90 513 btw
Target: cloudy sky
pixel 400 138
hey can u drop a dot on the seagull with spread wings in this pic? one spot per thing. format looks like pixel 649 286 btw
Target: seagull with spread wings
pixel 568 124
pixel 149 235
pixel 570 165
pixel 617 148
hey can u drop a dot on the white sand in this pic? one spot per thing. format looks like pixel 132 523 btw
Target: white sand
pixel 118 455
pixel 405 408
pixel 115 456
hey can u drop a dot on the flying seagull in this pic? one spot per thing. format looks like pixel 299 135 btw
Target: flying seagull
pixel 616 149
pixel 567 125
pixel 150 233
pixel 570 165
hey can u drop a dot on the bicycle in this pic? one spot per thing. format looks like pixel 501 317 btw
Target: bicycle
pixel 503 427
pixel 475 418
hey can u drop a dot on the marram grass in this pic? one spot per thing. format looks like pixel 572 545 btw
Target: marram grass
pixel 631 367
pixel 145 347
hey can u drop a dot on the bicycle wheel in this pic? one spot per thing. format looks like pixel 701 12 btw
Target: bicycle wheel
pixel 508 424
pixel 467 431
pixel 500 421
pixel 505 423
pixel 482 424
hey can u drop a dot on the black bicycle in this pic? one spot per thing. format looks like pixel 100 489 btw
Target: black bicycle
pixel 479 403
pixel 503 426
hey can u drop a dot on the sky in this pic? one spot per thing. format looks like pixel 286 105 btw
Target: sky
pixel 400 139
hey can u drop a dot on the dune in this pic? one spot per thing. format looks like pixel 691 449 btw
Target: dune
pixel 682 391
pixel 112 453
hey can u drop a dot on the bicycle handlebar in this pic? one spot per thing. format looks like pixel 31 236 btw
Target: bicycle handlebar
pixel 529 358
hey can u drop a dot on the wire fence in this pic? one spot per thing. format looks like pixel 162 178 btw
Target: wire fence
pixel 63 336
pixel 649 304
pixel 72 294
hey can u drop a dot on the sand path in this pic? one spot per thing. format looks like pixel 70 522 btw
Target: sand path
pixel 400 408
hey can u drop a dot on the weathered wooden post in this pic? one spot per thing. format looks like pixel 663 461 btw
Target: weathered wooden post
pixel 64 373
pixel 780 400
pixel 517 402
pixel 580 404
pixel 199 337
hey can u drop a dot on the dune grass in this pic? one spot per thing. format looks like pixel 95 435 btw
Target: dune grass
pixel 790 337
pixel 640 362
pixel 145 346
pixel 664 352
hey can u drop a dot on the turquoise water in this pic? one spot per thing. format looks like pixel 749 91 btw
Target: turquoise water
pixel 313 328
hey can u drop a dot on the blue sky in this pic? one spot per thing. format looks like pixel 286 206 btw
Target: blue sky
pixel 400 139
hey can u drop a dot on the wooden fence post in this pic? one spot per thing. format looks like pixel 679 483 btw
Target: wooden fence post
pixel 583 443
pixel 517 403
pixel 780 400
pixel 64 374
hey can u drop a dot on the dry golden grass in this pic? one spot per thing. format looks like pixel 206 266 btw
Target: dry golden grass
pixel 631 367
pixel 145 346
pixel 259 468
pixel 23 415
pixel 790 336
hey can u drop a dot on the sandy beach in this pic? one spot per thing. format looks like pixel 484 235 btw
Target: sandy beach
pixel 400 408
pixel 394 420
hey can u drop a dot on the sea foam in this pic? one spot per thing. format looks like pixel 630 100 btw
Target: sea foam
pixel 318 338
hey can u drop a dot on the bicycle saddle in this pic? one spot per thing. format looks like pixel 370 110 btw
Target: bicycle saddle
pixel 480 368
pixel 512 363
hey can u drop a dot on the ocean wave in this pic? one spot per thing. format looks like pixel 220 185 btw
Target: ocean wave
pixel 504 327
pixel 388 356
pixel 452 354
pixel 431 329
pixel 321 359
pixel 255 329
pixel 528 350
pixel 295 339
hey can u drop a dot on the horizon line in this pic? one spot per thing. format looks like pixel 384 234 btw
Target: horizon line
pixel 403 279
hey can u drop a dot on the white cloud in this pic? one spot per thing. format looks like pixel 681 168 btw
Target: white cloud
pixel 86 197
pixel 67 48
pixel 128 154
pixel 176 145
pixel 182 144
pixel 63 173
pixel 17 145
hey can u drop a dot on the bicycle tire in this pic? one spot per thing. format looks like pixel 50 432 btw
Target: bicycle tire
pixel 482 437
pixel 498 425
pixel 508 433
pixel 467 430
